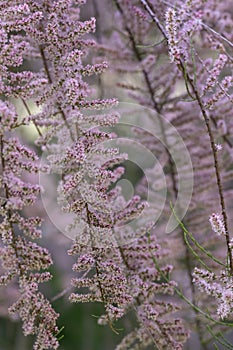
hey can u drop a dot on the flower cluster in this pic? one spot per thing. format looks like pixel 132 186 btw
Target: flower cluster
pixel 171 29
pixel 218 286
pixel 108 284
pixel 149 280
pixel 21 258
pixel 217 224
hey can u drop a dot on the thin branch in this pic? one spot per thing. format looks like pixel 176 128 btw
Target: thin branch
pixel 46 68
pixel 29 114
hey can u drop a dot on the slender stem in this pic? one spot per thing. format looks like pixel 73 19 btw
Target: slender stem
pixel 68 289
pixel 46 68
pixel 154 17
pixel 99 39
pixel 62 293
pixel 29 113
pixel 225 343
pixel 198 245
pixel 98 271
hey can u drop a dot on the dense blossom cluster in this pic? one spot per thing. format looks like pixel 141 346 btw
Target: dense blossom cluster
pixel 108 285
pixel 158 325
pixel 20 256
pixel 171 28
pixel 217 224
pixel 219 286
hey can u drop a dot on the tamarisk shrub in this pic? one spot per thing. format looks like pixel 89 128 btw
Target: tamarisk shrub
pixel 47 61
pixel 51 36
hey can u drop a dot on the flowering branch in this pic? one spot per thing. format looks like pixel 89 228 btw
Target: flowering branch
pixel 181 66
